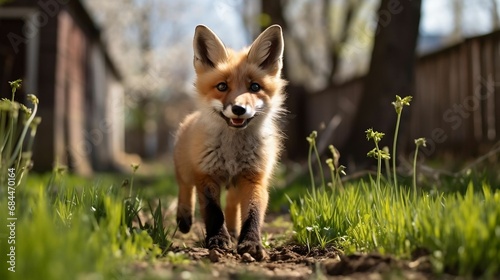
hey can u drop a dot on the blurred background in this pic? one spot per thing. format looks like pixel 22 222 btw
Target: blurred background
pixel 114 78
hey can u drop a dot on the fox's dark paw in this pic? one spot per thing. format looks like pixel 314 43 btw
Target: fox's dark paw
pixel 185 223
pixel 221 241
pixel 254 248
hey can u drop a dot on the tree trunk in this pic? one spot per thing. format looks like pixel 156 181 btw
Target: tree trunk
pixel 494 15
pixel 391 72
pixel 458 9
pixel 294 122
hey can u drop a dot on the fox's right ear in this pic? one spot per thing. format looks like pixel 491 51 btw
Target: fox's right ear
pixel 208 48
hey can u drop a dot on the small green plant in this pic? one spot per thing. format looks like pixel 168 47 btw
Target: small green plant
pixel 158 231
pixel 398 106
pixel 15 143
pixel 265 241
pixel 132 205
pixel 312 149
pixel 134 166
pixel 177 258
pixel 418 142
pixel 387 165
pixel 336 170
pixel 377 153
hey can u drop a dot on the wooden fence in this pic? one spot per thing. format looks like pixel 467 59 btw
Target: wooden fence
pixel 456 103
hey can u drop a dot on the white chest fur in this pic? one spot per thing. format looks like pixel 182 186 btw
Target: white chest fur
pixel 229 152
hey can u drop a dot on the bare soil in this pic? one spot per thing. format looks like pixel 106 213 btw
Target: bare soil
pixel 285 260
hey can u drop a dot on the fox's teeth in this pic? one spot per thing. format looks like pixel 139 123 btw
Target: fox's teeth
pixel 237 121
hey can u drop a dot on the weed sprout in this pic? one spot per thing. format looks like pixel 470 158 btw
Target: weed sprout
pixel 398 106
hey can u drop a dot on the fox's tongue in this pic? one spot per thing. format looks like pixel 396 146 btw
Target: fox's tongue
pixel 237 121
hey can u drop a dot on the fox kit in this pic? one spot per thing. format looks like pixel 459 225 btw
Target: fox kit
pixel 232 140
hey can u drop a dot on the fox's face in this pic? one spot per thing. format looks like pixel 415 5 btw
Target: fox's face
pixel 238 87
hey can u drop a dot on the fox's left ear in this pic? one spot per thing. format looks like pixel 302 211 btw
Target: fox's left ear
pixel 267 50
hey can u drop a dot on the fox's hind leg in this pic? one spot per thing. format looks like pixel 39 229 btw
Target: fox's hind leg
pixel 252 188
pixel 185 207
pixel 232 212
pixel 209 197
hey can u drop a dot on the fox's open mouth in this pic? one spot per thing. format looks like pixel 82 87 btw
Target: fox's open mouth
pixel 236 122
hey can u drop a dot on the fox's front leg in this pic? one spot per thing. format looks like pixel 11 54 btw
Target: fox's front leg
pixel 252 189
pixel 209 197
pixel 232 211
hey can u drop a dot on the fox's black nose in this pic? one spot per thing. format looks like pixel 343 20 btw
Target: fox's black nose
pixel 238 110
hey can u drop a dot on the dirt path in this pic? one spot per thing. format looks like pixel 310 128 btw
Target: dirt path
pixel 285 261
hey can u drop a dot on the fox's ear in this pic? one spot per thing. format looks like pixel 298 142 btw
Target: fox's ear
pixel 267 50
pixel 208 48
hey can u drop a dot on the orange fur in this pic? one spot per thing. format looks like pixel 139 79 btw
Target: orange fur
pixel 232 140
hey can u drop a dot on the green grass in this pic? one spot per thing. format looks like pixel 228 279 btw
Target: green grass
pixel 455 220
pixel 77 237
pixel 92 230
pixel 65 227
pixel 69 226
pixel 158 185
pixel 461 232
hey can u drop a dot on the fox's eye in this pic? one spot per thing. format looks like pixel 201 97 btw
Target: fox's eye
pixel 222 86
pixel 254 87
